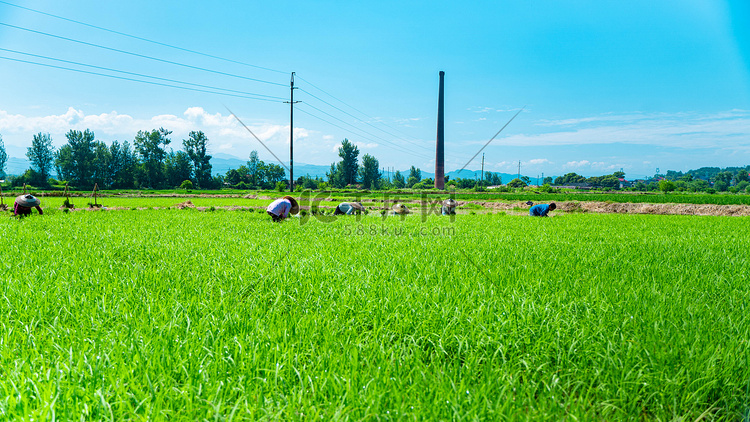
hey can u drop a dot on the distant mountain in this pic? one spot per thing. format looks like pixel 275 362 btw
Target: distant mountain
pixel 222 163
pixel 16 166
pixel 466 174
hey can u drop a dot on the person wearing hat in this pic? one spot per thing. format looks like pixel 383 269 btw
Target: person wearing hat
pixel 24 203
pixel 400 209
pixel 349 208
pixel 541 210
pixel 449 207
pixel 281 208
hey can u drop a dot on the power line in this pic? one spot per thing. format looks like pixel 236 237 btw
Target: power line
pixel 358 119
pixel 354 108
pixel 142 55
pixel 395 146
pixel 142 38
pixel 455 155
pixel 140 74
pixel 370 134
pixel 137 80
pixel 491 139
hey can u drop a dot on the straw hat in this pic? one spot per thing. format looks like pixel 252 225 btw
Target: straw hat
pixel 400 209
pixel 450 203
pixel 357 206
pixel 28 201
pixel 295 205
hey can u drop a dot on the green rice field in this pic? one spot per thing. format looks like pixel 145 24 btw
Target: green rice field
pixel 183 315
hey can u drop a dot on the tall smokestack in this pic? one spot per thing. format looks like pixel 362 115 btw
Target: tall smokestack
pixel 439 155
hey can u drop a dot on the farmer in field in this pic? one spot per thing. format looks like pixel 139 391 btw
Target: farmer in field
pixel 541 210
pixel 24 203
pixel 400 209
pixel 349 208
pixel 281 208
pixel 449 207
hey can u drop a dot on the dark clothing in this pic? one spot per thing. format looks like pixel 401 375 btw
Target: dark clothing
pixel 446 210
pixel 540 210
pixel 275 217
pixel 21 210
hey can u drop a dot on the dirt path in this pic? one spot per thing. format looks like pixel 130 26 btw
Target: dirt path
pixel 629 208
pixel 481 207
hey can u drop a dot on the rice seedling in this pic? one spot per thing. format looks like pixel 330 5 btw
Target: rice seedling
pixel 167 314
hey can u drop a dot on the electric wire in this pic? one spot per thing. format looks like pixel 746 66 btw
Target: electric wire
pixel 456 155
pixel 394 146
pixel 354 108
pixel 363 131
pixel 142 55
pixel 138 80
pixel 142 38
pixel 140 74
pixel 358 119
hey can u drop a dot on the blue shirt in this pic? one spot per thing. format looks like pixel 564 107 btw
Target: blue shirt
pixel 540 210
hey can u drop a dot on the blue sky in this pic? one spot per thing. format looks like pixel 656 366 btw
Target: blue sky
pixel 636 85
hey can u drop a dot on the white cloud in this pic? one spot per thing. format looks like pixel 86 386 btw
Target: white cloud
pixel 368 145
pixel 223 131
pixel 538 161
pixel 684 130
pixel 577 164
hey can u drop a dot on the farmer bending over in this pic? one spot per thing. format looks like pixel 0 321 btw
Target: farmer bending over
pixel 449 207
pixel 281 208
pixel 349 208
pixel 541 210
pixel 24 203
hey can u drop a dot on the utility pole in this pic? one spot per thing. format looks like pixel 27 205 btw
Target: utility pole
pixel 519 169
pixel 291 133
pixel 482 167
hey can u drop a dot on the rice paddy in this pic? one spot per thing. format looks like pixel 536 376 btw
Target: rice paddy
pixel 186 315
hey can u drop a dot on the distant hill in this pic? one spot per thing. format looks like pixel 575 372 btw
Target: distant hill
pixel 16 166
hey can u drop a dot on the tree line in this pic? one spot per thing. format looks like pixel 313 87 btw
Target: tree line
pixel 85 161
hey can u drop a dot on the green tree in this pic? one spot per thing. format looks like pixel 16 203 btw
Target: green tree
pixel 256 169
pixel 415 175
pixel 724 176
pixel 186 184
pixel 75 160
pixel 699 185
pixel 122 165
pixel 516 183
pixel 349 153
pixel 3 158
pixel 666 186
pixel 571 178
pixel 398 180
pixel 42 156
pixel 740 176
pixel 100 165
pixel 150 147
pixel 178 167
pixel 274 173
pixel 547 180
pixel 369 172
pixel 721 185
pixel 196 147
